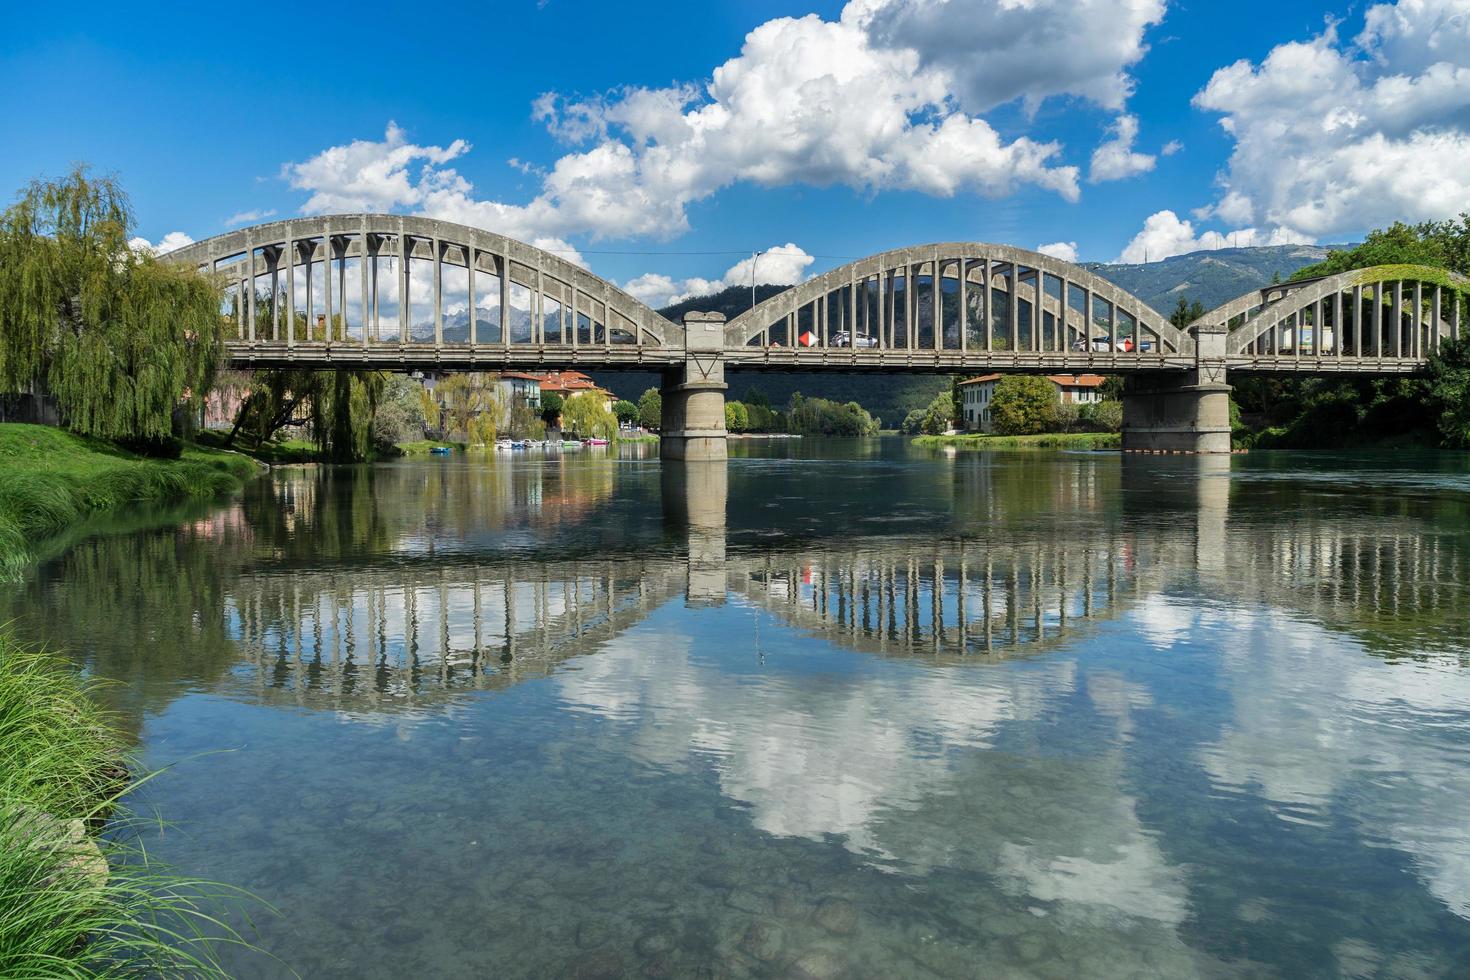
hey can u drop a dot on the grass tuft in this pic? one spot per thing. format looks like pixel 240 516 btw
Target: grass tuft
pixel 63 911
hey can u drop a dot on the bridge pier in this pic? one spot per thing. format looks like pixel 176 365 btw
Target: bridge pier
pixel 693 419
pixel 1182 411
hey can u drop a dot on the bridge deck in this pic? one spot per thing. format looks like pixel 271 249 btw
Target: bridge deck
pixel 491 357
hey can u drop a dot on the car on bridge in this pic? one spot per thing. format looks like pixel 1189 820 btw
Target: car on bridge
pixel 1103 344
pixel 843 338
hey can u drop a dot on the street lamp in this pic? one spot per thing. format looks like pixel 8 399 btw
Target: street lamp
pixel 754 258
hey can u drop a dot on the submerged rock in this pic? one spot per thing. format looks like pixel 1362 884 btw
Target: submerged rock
pixel 763 940
pixel 837 916
pixel 68 840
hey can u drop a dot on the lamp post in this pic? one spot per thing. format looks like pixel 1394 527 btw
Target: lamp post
pixel 754 258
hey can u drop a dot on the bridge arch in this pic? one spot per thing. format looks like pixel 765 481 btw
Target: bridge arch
pixel 1347 319
pixel 869 303
pixel 321 283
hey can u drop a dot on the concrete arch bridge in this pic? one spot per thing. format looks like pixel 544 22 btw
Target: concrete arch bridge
pixel 399 293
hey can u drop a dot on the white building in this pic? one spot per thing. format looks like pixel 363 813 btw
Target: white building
pixel 976 395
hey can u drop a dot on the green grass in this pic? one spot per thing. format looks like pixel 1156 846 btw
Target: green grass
pixel 1049 440
pixel 638 437
pixel 74 902
pixel 50 479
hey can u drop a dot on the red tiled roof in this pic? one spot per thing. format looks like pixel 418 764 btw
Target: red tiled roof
pixel 981 379
pixel 1076 381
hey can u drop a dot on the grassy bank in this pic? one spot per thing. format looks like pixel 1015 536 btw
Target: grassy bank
pixel 74 902
pixel 1068 440
pixel 50 478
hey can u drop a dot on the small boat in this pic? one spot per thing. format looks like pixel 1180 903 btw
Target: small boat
pixel 440 450
pixel 598 442
pixel 502 445
pixel 570 444
pixel 518 444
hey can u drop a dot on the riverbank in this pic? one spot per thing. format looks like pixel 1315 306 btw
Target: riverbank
pixel 1048 440
pixel 51 478
pixel 75 902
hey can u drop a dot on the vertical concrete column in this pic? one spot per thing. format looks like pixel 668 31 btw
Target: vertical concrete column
pixel 693 422
pixel 1181 411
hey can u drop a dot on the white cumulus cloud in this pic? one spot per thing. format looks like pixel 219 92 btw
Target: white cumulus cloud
pixel 1116 159
pixel 873 100
pixel 779 265
pixel 1164 234
pixel 996 51
pixel 1334 137
pixel 171 242
pixel 1066 251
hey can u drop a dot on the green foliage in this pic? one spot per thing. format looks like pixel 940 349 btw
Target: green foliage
pixel 938 418
pixel 471 411
pixel 737 417
pixel 1449 390
pixel 818 416
pixel 913 423
pixel 118 338
pixel 49 479
pixel 400 415
pixel 587 416
pixel 1023 404
pixel 551 407
pixel 1104 416
pixel 626 411
pixel 1439 244
pixel 73 903
pixel 337 407
pixel 650 409
pixel 1186 312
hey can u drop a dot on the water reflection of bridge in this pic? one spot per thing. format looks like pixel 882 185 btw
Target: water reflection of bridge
pixel 393 636
pixel 376 591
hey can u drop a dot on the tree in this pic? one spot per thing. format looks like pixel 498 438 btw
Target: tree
pixel 1186 312
pixel 400 415
pixel 337 407
pixel 551 408
pixel 626 411
pixel 650 409
pixel 1023 405
pixel 1450 388
pixel 939 416
pixel 913 423
pixel 1104 415
pixel 737 417
pixel 587 416
pixel 118 338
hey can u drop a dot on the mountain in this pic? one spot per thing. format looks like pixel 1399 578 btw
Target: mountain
pixel 1212 277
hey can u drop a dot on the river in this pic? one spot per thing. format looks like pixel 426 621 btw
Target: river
pixel 837 709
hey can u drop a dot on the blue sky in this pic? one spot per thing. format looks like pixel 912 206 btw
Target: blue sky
pixel 840 129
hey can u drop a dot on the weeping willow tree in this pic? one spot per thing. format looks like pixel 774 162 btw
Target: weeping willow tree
pixel 117 338
pixel 337 407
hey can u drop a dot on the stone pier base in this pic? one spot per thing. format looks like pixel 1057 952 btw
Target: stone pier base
pixel 1181 413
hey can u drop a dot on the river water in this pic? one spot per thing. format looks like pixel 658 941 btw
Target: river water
pixel 837 709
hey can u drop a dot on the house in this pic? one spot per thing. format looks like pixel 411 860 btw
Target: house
pixel 976 395
pixel 516 386
pixel 570 384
